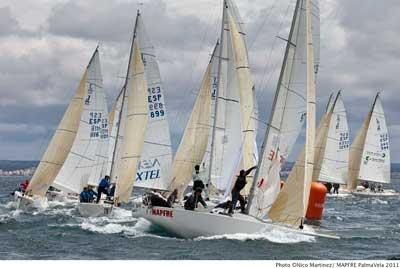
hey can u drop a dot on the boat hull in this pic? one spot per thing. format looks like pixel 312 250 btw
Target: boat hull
pixel 368 193
pixel 94 210
pixel 192 224
pixel 24 202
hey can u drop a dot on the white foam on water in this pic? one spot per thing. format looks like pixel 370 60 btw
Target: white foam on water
pixel 273 235
pixel 379 201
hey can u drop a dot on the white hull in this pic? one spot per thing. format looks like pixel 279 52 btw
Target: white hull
pixel 24 202
pixel 60 196
pixel 94 209
pixel 192 224
pixel 342 193
pixel 368 193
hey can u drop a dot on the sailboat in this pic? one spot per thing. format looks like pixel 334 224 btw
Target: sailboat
pixel 154 170
pixel 86 162
pixel 332 145
pixel 76 152
pixel 231 143
pixel 370 154
pixel 130 117
pixel 289 208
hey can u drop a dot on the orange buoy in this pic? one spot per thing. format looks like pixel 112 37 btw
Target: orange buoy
pixel 316 202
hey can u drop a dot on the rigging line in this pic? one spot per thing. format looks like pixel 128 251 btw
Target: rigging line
pixel 265 79
pixel 267 16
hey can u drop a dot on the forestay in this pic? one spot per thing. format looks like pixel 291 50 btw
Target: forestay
pixel 60 144
pixel 86 161
pixel 154 170
pixel 375 159
pixel 288 110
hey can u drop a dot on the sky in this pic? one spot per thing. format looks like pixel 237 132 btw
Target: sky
pixel 46 44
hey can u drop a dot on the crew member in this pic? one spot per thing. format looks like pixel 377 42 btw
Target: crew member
pixel 239 185
pixel 195 198
pixel 336 188
pixel 103 187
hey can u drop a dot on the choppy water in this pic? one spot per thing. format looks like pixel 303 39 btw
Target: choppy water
pixel 369 228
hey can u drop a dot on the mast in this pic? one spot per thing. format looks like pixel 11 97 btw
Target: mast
pixel 310 123
pixel 123 92
pixel 269 126
pixel 217 91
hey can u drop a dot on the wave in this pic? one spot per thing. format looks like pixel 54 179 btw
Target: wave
pixel 275 236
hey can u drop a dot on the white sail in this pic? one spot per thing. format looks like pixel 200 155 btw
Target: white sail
pixel 195 138
pixel 291 205
pixel 246 95
pixel 288 111
pixel 61 143
pixel 133 123
pixel 356 152
pixel 227 138
pixel 154 170
pixel 375 160
pixel 86 159
pixel 332 163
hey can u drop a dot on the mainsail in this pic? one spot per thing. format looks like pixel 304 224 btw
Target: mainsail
pixel 87 158
pixel 332 145
pixel 61 143
pixel 195 138
pixel 369 153
pixel 154 171
pixel 292 202
pixel 288 110
pixel 227 139
pixel 131 128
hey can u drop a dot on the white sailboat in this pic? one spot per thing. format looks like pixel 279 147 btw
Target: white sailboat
pixel 370 154
pixel 154 171
pixel 290 204
pixel 288 111
pixel 131 121
pixel 87 159
pixel 70 157
pixel 332 146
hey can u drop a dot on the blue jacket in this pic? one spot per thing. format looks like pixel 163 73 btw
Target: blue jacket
pixel 87 196
pixel 104 184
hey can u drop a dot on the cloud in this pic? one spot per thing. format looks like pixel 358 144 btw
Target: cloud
pixel 46 45
pixel 8 24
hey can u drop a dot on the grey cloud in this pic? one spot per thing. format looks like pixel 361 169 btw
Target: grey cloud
pixel 8 24
pixel 359 53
